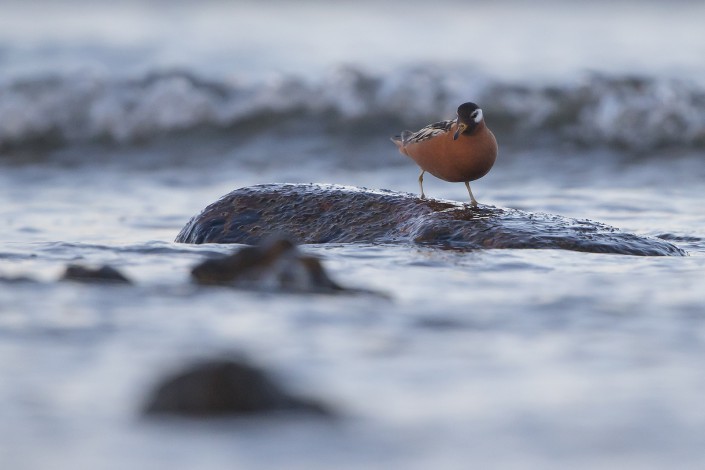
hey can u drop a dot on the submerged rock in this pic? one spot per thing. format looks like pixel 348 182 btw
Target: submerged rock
pixel 314 213
pixel 104 274
pixel 225 387
pixel 275 264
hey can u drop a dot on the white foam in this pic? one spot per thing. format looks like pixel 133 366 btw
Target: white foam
pixel 613 111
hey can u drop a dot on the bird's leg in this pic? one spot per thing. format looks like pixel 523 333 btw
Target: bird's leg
pixel 473 201
pixel 423 196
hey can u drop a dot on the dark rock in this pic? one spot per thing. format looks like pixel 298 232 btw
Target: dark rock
pixel 225 387
pixel 104 274
pixel 275 264
pixel 314 213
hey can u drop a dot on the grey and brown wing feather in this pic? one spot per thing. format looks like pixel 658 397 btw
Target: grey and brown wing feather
pixel 432 130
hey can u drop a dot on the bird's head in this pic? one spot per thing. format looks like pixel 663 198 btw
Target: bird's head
pixel 469 117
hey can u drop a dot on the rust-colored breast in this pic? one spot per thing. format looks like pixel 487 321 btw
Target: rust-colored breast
pixel 468 158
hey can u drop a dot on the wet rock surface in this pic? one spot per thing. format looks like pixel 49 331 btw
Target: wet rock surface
pixel 226 387
pixel 104 274
pixel 275 264
pixel 314 213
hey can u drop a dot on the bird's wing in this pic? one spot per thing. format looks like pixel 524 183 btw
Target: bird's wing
pixel 427 132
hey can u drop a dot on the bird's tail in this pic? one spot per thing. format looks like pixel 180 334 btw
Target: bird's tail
pixel 400 140
pixel 397 140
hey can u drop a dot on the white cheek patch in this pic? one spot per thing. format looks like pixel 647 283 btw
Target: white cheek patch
pixel 478 117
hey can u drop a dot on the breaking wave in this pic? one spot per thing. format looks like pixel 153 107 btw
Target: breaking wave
pixel 630 113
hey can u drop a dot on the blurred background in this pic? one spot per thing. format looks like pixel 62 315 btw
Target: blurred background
pixel 84 71
pixel 244 92
pixel 255 85
pixel 258 40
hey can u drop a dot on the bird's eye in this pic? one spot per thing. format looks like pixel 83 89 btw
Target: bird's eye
pixel 474 114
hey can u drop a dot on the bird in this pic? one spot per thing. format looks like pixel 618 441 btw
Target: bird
pixel 456 150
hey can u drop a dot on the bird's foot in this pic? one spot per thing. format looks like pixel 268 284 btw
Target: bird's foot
pixel 473 201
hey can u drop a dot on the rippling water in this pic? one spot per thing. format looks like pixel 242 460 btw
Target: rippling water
pixel 119 124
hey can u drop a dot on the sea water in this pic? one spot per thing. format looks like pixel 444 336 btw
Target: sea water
pixel 119 121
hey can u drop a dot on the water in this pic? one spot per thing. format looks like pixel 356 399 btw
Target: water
pixel 117 124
